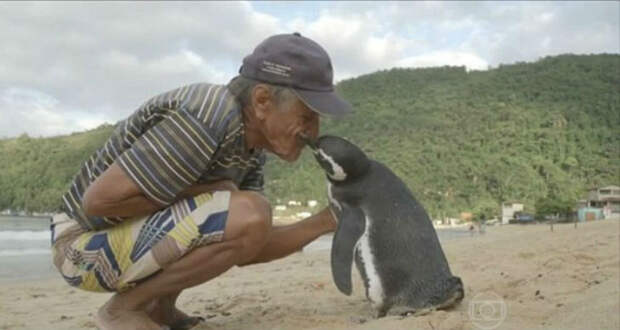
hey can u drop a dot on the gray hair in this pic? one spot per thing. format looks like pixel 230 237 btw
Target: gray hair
pixel 242 88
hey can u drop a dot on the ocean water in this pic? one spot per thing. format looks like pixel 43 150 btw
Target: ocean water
pixel 25 248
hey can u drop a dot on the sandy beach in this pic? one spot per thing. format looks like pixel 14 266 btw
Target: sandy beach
pixel 516 277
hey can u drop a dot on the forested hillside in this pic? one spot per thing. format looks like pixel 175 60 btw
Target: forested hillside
pixel 462 141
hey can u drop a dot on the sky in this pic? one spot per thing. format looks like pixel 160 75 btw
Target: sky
pixel 72 66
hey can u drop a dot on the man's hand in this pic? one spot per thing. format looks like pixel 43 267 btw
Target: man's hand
pixel 331 215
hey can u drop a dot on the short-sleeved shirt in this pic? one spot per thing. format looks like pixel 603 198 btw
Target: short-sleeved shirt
pixel 193 134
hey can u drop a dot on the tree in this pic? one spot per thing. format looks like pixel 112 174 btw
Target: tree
pixel 554 205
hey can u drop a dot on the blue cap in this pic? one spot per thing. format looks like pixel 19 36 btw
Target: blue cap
pixel 297 62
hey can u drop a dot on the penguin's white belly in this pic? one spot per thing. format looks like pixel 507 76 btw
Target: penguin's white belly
pixel 375 288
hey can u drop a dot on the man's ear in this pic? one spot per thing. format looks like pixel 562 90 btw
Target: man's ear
pixel 261 100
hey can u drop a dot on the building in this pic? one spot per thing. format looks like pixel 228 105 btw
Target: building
pixel 509 209
pixel 589 214
pixel 605 198
pixel 466 216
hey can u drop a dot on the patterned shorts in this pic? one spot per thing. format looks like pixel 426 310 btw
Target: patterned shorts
pixel 117 258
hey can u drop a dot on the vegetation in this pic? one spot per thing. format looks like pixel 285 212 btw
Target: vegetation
pixel 462 141
pixel 554 206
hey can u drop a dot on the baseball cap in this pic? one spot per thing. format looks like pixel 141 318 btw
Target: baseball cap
pixel 295 61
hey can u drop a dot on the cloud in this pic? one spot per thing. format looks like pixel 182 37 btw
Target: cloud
pixel 353 42
pixel 498 32
pixel 77 64
pixel 33 109
pixel 111 57
pixel 441 58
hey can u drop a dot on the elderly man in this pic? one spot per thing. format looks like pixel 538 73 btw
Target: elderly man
pixel 173 199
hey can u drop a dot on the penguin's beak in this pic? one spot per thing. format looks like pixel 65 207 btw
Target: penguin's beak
pixel 308 140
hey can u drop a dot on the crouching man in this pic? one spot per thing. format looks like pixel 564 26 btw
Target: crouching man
pixel 172 199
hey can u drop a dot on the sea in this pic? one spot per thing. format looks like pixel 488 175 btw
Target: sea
pixel 25 247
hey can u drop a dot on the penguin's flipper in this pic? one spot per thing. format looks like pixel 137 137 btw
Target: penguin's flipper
pixel 351 225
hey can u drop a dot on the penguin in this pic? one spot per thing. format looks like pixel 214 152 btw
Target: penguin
pixel 385 230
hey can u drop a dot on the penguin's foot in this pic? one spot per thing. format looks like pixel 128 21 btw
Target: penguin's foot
pixel 457 296
pixel 454 295
pixel 420 312
pixel 405 311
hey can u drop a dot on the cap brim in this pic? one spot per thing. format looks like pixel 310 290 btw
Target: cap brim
pixel 324 103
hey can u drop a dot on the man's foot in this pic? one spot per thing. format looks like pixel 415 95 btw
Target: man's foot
pixel 113 317
pixel 186 323
pixel 164 312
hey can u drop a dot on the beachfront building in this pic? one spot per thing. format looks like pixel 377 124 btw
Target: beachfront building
pixel 589 214
pixel 606 199
pixel 509 209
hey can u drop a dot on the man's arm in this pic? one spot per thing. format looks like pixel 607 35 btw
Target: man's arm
pixel 164 161
pixel 114 194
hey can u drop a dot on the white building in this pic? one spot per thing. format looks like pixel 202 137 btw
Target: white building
pixel 606 198
pixel 509 209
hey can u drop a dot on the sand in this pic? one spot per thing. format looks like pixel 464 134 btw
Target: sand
pixel 516 277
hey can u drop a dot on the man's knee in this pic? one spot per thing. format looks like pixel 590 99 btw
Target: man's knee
pixel 249 220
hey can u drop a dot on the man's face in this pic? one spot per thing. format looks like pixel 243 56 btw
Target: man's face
pixel 283 124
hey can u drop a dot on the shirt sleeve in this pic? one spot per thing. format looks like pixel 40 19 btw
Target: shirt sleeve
pixel 170 156
pixel 254 179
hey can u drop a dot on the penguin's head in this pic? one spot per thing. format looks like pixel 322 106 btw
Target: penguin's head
pixel 341 159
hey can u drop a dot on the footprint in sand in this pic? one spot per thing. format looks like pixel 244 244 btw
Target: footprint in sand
pixel 584 259
pixel 554 263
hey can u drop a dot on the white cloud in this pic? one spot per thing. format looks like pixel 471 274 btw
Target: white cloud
pixel 353 42
pixel 514 32
pixel 40 114
pixel 441 58
pixel 85 63
pixel 113 56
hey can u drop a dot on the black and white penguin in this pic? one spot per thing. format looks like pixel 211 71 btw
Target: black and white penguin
pixel 386 231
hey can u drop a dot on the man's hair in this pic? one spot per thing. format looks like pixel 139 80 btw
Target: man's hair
pixel 241 87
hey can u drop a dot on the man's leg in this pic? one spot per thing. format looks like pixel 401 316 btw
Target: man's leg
pixel 283 241
pixel 248 238
pixel 247 231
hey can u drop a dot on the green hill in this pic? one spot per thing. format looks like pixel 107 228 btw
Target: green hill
pixel 462 141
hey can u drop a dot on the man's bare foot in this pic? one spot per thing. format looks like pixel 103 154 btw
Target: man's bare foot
pixel 113 317
pixel 163 311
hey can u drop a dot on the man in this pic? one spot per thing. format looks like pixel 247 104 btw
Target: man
pixel 170 201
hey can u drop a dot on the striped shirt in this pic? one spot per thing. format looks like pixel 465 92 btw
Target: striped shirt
pixel 193 134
